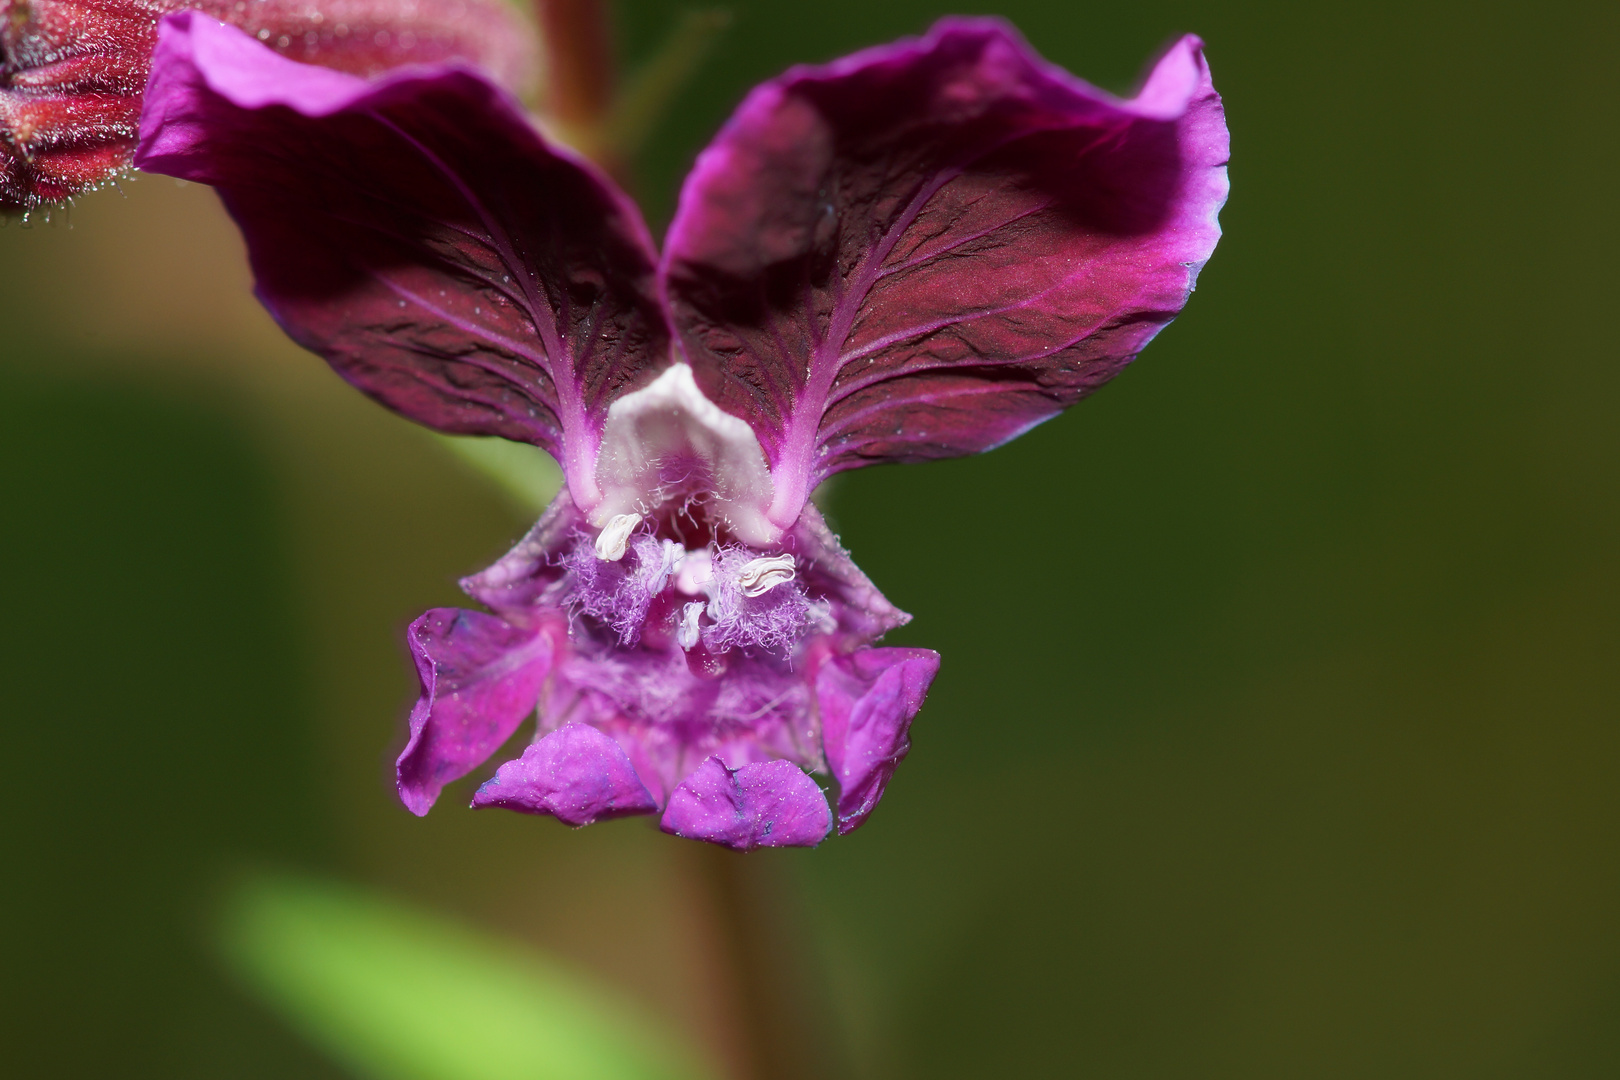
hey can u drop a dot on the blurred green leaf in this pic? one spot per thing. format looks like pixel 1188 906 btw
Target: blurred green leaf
pixel 646 96
pixel 399 994
pixel 526 475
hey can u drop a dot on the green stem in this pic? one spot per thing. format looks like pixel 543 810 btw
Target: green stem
pixel 646 95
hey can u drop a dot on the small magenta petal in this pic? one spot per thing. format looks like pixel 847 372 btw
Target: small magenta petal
pixel 480 677
pixel 764 804
pixel 868 700
pixel 419 233
pixel 925 249
pixel 576 774
pixel 520 579
pixel 860 612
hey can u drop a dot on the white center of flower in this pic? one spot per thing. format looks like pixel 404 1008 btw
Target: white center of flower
pixel 761 575
pixel 666 442
pixel 695 572
pixel 610 544
pixel 687 634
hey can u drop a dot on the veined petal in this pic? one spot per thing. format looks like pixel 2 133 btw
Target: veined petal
pixel 923 250
pixel 421 235
pixel 868 700
pixel 576 774
pixel 480 677
pixel 763 804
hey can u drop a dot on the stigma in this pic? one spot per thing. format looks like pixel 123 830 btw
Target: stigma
pixel 689 632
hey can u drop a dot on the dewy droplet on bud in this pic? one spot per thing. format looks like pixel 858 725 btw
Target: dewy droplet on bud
pixel 73 72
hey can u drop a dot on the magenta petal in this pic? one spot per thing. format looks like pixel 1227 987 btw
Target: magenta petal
pixel 868 700
pixel 480 677
pixel 923 250
pixel 576 774
pixel 765 804
pixel 420 234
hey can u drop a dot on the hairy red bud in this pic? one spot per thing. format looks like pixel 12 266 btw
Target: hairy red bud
pixel 72 72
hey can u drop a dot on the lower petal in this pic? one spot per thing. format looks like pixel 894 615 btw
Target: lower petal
pixel 480 677
pixel 764 804
pixel 868 700
pixel 576 774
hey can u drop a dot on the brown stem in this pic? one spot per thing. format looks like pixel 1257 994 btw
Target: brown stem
pixel 762 956
pixel 577 36
pixel 579 55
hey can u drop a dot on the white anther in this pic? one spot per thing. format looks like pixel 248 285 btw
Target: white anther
pixel 610 543
pixel 687 634
pixel 695 572
pixel 761 575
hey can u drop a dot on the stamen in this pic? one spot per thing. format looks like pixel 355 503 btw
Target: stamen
pixel 610 544
pixel 686 635
pixel 761 575
pixel 670 557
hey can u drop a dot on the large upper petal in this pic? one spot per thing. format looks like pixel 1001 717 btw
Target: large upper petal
pixel 925 249
pixel 421 235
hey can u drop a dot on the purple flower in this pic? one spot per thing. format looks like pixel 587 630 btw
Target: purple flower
pixel 919 251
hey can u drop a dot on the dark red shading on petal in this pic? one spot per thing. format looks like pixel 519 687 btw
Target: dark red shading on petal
pixel 420 234
pixel 923 250
pixel 868 700
pixel 72 71
pixel 764 804
pixel 480 677
pixel 576 774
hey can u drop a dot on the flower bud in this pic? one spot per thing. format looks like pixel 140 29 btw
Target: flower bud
pixel 72 72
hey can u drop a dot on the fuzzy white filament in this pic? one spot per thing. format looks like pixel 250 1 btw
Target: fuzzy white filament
pixel 687 634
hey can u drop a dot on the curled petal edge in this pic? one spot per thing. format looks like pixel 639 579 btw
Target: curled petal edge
pixel 868 700
pixel 762 804
pixel 480 677
pixel 577 774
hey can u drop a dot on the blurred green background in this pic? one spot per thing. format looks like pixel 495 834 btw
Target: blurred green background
pixel 1277 733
